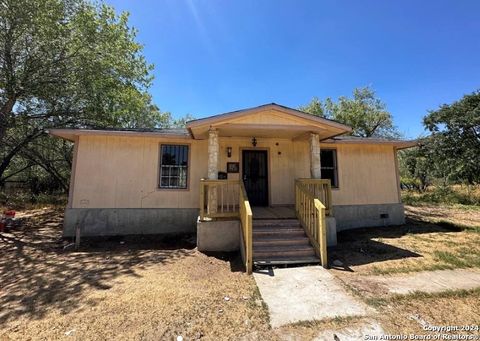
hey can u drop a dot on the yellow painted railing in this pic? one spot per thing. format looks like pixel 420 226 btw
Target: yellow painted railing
pixel 246 222
pixel 322 190
pixel 228 199
pixel 311 213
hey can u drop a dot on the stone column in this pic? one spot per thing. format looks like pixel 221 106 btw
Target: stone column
pixel 213 150
pixel 315 170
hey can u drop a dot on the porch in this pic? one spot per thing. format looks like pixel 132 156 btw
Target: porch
pixel 290 234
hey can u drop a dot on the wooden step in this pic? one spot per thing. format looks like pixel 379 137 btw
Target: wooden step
pixel 294 251
pixel 285 261
pixel 278 232
pixel 276 223
pixel 279 241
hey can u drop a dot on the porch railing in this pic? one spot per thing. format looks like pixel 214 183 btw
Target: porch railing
pixel 246 222
pixel 311 213
pixel 322 190
pixel 219 198
pixel 228 199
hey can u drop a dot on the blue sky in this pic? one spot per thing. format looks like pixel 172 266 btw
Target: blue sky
pixel 214 56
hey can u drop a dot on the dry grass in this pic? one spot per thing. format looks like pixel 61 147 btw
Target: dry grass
pixel 434 237
pixel 426 242
pixel 141 289
pixel 406 314
pixel 159 289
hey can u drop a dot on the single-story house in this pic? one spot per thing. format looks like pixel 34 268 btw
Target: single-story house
pixel 267 178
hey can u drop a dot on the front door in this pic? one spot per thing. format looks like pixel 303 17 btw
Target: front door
pixel 255 176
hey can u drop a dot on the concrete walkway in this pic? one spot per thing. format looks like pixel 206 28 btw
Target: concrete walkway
pixel 355 333
pixel 428 281
pixel 303 294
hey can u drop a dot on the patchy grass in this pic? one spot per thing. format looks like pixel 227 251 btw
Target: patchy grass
pixel 152 288
pixel 426 242
pixel 406 314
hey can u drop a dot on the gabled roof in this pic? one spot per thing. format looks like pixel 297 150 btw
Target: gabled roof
pixel 281 120
pixel 274 106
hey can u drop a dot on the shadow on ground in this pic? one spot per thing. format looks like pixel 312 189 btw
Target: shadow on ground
pixel 37 273
pixel 364 246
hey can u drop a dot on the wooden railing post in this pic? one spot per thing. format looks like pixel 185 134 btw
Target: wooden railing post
pixel 311 212
pixel 322 233
pixel 202 200
pixel 249 244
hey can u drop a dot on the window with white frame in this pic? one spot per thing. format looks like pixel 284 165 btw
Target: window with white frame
pixel 173 166
pixel 328 165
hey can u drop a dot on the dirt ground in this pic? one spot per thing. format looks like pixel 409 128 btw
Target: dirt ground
pixel 152 289
pixel 119 288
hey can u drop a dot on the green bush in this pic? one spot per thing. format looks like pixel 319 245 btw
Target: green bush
pixel 23 199
pixel 443 195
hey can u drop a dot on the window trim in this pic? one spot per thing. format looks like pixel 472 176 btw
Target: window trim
pixel 335 168
pixel 159 166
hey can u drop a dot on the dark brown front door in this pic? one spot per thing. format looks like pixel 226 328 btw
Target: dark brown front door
pixel 255 176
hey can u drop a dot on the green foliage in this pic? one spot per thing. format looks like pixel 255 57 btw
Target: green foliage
pixel 315 107
pixel 415 169
pixel 66 63
pixel 444 194
pixel 25 199
pixel 365 113
pixel 454 143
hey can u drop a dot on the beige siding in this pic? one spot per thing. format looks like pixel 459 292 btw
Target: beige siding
pixel 122 172
pixel 366 175
pixel 269 117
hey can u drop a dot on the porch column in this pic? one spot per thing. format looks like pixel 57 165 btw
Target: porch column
pixel 213 150
pixel 315 170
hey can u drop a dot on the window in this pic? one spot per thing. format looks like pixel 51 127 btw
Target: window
pixel 173 166
pixel 328 165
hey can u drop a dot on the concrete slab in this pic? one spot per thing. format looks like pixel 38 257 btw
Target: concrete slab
pixel 219 235
pixel 429 281
pixel 303 294
pixel 372 330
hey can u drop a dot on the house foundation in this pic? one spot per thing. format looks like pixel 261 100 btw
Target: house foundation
pixel 125 221
pixel 358 216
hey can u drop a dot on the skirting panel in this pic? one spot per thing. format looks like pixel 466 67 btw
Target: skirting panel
pixel 356 216
pixel 124 221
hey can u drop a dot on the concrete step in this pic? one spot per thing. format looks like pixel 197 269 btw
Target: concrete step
pixel 292 251
pixel 279 241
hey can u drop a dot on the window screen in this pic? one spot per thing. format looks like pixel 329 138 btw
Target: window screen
pixel 173 166
pixel 328 164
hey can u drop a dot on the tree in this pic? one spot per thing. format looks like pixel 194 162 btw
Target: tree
pixel 365 113
pixel 454 144
pixel 416 170
pixel 67 63
pixel 315 107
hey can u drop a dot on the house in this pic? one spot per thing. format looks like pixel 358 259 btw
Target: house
pixel 267 179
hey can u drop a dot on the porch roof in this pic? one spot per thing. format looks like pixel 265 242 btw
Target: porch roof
pixel 269 120
pixel 71 133
pixel 399 144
